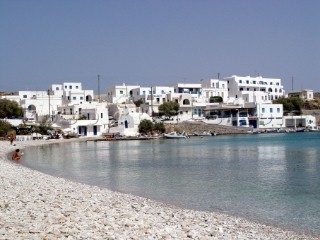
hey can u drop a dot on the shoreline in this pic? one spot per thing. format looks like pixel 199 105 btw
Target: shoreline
pixel 35 205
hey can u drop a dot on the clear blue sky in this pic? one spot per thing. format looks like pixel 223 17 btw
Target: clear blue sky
pixel 157 42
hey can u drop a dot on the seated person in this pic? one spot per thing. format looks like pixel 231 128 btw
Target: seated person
pixel 16 155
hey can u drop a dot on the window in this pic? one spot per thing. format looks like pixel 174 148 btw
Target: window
pixel 57 88
pixel 101 116
pixel 25 96
pixel 278 110
pixel 74 98
pixel 271 83
pixel 70 87
pixel 162 91
pixel 248 89
pixel 263 110
pixel 240 81
pixel 121 92
pixel 222 85
pixel 271 110
pixel 247 81
pixel 66 87
pixel 158 100
pixel 254 89
pixel 81 98
pixel 241 89
pixel 254 82
pixel 77 87
pixel 144 92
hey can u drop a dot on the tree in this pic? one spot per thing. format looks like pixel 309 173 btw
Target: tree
pixel 138 102
pixel 169 109
pixel 291 104
pixel 10 109
pixel 159 126
pixel 4 127
pixel 145 126
pixel 215 99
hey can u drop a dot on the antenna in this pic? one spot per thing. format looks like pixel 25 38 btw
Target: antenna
pixel 292 84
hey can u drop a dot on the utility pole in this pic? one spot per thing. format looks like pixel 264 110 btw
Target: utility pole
pixel 292 84
pixel 99 88
pixel 151 102
pixel 49 104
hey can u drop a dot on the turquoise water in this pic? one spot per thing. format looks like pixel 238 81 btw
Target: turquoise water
pixel 270 178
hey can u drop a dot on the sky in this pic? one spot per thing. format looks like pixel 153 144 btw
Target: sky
pixel 157 42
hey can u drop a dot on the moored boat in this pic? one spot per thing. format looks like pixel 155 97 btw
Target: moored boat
pixel 175 135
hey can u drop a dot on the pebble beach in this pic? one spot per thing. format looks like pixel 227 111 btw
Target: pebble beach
pixel 34 205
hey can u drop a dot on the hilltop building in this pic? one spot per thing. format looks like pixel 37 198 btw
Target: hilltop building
pixel 305 94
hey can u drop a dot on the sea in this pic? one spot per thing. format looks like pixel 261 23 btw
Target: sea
pixel 269 178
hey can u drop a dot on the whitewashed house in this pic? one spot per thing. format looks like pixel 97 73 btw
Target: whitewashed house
pixel 39 104
pixel 121 93
pixel 128 123
pixel 86 119
pixel 215 87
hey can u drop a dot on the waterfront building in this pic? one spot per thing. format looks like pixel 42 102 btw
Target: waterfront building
pixel 128 122
pixel 85 119
pixel 303 121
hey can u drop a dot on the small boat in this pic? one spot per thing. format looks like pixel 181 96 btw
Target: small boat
pixel 314 129
pixel 300 130
pixel 175 135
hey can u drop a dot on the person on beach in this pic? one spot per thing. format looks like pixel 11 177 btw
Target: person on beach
pixel 11 138
pixel 16 155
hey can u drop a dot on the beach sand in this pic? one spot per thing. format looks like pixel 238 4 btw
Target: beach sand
pixel 34 205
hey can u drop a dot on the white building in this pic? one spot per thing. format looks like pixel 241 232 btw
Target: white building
pixel 152 97
pixel 215 87
pixel 121 93
pixel 37 104
pixel 270 115
pixel 128 123
pixel 305 121
pixel 254 89
pixel 86 119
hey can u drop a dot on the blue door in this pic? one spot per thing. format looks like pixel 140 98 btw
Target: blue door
pixel 85 131
pixel 95 130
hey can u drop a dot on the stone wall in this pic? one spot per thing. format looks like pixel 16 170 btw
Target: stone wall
pixel 191 127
